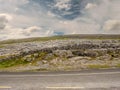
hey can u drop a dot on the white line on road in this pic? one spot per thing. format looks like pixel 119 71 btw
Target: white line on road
pixel 83 74
pixel 65 87
pixel 52 75
pixel 5 87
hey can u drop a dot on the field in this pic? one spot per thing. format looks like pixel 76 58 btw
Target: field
pixel 60 53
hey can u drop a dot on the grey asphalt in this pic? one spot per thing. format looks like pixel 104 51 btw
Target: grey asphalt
pixel 74 80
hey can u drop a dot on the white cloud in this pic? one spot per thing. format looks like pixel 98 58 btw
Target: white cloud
pixel 35 21
pixel 11 6
pixel 51 14
pixel 33 31
pixel 63 4
pixel 70 27
pixel 100 12
pixel 4 19
pixel 105 13
pixel 112 25
pixel 90 6
pixel 15 2
pixel 7 16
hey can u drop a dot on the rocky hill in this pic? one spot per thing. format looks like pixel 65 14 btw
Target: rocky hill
pixel 60 54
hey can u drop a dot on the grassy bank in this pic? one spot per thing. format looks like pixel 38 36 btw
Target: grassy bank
pixel 76 36
pixel 96 51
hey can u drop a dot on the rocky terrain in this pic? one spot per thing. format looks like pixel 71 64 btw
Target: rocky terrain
pixel 60 55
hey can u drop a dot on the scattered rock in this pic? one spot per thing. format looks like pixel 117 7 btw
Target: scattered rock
pixel 36 55
pixel 76 53
pixel 63 53
pixel 44 61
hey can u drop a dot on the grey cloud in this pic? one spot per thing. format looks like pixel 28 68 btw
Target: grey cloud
pixel 31 30
pixel 4 20
pixel 64 9
pixel 112 25
pixel 58 17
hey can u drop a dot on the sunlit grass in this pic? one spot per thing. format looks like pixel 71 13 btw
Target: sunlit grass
pixel 12 62
pixel 118 65
pixel 98 66
pixel 79 36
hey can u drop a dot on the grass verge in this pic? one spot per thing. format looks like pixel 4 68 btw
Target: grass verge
pixel 12 62
pixel 98 66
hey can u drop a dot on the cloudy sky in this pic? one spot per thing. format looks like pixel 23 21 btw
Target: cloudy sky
pixel 38 18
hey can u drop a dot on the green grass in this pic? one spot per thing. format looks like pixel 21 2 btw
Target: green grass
pixel 79 36
pixel 12 62
pixel 21 61
pixel 1 46
pixel 98 66
pixel 118 65
pixel 31 39
pixel 1 57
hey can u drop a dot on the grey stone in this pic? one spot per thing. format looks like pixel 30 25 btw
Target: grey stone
pixel 63 53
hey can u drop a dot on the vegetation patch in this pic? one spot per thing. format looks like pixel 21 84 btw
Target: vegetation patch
pixel 1 57
pixel 32 39
pixel 118 65
pixel 12 62
pixel 60 54
pixel 98 66
pixel 75 36
pixel 1 46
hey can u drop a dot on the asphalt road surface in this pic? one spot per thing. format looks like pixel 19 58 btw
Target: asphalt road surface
pixel 79 80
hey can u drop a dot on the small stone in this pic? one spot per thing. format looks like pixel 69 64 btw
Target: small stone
pixel 29 59
pixel 63 53
pixel 36 55
pixel 44 61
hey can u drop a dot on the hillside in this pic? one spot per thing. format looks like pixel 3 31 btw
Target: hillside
pixel 60 53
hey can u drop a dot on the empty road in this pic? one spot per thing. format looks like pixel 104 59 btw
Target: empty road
pixel 79 80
